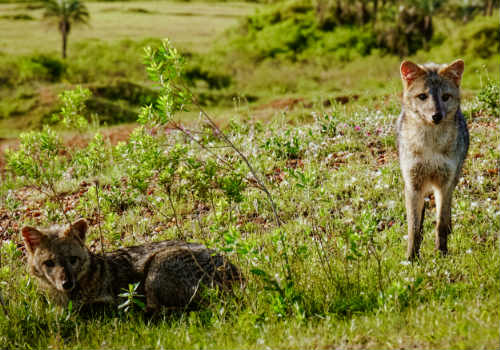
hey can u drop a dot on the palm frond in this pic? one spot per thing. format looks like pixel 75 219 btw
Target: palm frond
pixel 66 11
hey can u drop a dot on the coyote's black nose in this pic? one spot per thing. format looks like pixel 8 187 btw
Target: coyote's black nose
pixel 67 285
pixel 436 118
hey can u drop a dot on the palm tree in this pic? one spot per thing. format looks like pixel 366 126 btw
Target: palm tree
pixel 64 13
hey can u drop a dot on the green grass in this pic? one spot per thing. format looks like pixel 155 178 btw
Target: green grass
pixel 192 24
pixel 346 188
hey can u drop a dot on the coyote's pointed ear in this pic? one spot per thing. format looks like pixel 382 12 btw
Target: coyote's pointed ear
pixel 453 71
pixel 410 71
pixel 78 229
pixel 32 238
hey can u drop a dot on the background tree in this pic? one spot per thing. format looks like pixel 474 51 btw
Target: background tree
pixel 64 13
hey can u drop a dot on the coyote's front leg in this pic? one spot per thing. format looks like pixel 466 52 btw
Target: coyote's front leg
pixel 443 211
pixel 415 216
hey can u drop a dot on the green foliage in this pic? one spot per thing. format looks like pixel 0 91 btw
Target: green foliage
pixel 295 31
pixel 489 98
pixel 40 67
pixel 131 298
pixel 284 147
pixel 65 13
pixel 165 66
pixel 91 160
pixel 480 38
pixel 37 159
pixel 73 108
pixel 305 29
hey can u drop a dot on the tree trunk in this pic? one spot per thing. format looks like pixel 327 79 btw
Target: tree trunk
pixel 375 10
pixel 428 31
pixel 364 13
pixel 490 7
pixel 64 29
pixel 64 43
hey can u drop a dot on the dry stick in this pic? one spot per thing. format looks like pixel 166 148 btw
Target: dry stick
pixel 169 195
pixel 226 139
pixel 179 127
pixel 187 133
pixel 96 183
pixel 378 259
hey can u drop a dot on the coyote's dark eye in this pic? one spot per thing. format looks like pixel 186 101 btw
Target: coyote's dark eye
pixel 422 96
pixel 446 97
pixel 73 259
pixel 49 263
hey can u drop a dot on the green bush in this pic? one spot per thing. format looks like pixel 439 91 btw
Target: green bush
pixel 295 30
pixel 489 98
pixel 480 38
pixel 41 67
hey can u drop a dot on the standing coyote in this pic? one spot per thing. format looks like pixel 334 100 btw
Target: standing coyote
pixel 432 144
pixel 171 273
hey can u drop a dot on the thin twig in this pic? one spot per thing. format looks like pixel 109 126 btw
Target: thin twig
pixel 96 183
pixel 58 200
pixel 169 195
pixel 219 133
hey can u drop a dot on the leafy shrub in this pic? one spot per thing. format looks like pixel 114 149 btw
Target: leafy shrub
pixel 295 30
pixel 202 72
pixel 42 68
pixel 489 98
pixel 284 147
pixel 134 94
pixel 73 108
pixel 480 37
pixel 37 158
pixel 18 17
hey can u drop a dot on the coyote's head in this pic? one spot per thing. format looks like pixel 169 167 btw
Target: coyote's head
pixel 58 256
pixel 431 91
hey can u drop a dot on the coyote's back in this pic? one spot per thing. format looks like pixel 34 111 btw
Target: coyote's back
pixel 170 274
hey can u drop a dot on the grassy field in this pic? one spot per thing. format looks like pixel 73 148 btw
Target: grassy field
pixel 190 25
pixel 320 134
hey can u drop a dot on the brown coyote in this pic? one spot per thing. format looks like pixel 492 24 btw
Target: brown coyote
pixel 171 274
pixel 432 144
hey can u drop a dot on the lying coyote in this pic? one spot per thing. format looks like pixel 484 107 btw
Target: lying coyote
pixel 171 274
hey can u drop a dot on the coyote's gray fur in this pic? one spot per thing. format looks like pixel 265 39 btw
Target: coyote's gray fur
pixel 171 274
pixel 432 144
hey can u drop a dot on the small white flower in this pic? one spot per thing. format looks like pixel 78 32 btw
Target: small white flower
pixel 405 263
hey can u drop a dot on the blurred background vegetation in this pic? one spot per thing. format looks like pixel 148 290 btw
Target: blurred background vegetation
pixel 238 52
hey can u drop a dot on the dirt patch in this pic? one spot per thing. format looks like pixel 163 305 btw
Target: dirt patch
pixel 282 103
pixel 340 99
pixel 291 103
pixel 47 96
